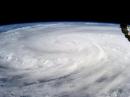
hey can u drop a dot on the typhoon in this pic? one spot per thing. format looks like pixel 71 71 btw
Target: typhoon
pixel 66 59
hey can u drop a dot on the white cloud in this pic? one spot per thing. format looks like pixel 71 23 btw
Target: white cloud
pixel 54 60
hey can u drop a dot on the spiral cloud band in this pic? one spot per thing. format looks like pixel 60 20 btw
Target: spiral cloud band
pixel 64 60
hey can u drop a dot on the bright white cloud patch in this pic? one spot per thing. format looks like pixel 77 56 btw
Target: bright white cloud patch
pixel 64 60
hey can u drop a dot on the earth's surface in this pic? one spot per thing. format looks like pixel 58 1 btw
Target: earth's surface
pixel 66 59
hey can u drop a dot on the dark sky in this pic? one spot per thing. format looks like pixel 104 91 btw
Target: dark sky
pixel 39 13
pixel 21 18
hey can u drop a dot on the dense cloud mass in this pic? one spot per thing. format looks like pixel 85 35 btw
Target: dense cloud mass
pixel 64 60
